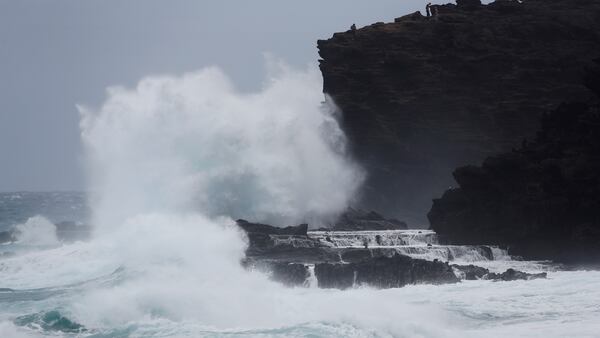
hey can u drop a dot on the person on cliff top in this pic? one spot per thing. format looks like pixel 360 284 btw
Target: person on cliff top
pixel 432 10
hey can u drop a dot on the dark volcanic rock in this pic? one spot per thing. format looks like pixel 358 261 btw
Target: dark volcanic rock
pixel 420 97
pixel 289 244
pixel 291 274
pixel 262 237
pixel 299 230
pixel 384 272
pixel 511 274
pixel 542 200
pixel 471 272
pixel 357 220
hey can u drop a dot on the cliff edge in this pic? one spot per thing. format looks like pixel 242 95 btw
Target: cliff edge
pixel 422 96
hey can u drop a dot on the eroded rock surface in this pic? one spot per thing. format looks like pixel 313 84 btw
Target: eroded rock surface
pixel 541 200
pixel 422 96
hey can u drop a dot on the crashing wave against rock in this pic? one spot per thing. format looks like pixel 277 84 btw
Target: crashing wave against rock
pixel 375 258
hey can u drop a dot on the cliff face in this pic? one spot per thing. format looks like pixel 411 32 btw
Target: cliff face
pixel 421 96
pixel 541 200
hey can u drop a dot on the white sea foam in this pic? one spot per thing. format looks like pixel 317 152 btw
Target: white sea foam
pixel 9 330
pixel 193 143
pixel 36 230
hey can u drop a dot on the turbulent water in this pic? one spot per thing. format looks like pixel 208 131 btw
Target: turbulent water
pixel 171 163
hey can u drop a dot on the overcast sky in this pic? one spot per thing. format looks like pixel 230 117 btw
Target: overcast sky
pixel 55 54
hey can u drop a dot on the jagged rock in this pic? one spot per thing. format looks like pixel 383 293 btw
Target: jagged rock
pixel 471 272
pixel 357 220
pixel 289 244
pixel 384 272
pixel 511 275
pixel 420 97
pixel 299 230
pixel 290 274
pixel 542 200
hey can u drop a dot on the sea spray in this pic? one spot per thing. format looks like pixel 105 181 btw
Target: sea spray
pixel 194 143
pixel 38 231
pixel 174 160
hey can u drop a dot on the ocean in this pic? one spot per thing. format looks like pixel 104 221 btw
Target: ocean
pixel 137 284
pixel 170 164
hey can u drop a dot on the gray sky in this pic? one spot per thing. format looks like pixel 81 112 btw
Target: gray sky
pixel 55 54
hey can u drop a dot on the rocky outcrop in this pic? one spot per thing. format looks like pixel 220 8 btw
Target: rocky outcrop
pixel 512 274
pixel 384 272
pixel 542 200
pixel 360 220
pixel 287 273
pixel 422 96
pixel 382 259
pixel 289 244
pixel 258 228
pixel 472 272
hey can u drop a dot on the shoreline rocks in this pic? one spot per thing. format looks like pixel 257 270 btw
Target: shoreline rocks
pixel 384 272
pixel 294 258
pixel 357 220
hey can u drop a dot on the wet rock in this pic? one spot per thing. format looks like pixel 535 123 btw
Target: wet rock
pixel 258 228
pixel 360 220
pixel 384 272
pixel 471 272
pixel 290 274
pixel 264 239
pixel 356 255
pixel 512 275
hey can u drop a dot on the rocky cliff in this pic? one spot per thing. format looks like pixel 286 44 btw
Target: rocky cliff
pixel 542 199
pixel 421 96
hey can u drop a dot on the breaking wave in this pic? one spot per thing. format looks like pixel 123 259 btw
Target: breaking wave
pixel 36 230
pixel 194 143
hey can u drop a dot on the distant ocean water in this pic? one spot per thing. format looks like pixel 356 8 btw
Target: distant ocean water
pixel 58 206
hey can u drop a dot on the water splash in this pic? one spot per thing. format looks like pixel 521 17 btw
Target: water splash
pixel 37 231
pixel 194 143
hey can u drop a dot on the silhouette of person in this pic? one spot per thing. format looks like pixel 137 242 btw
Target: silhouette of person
pixel 428 9
pixel 353 29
